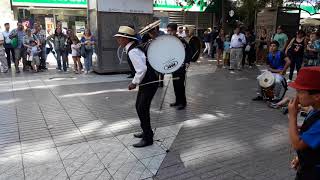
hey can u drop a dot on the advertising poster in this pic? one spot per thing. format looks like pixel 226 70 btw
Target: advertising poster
pixel 80 26
pixel 49 25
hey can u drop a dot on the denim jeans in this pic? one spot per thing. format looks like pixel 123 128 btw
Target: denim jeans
pixel 62 54
pixel 88 60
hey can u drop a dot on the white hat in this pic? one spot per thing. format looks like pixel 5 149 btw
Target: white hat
pixel 126 31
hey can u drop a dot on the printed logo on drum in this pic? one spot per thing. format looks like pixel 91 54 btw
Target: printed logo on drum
pixel 170 64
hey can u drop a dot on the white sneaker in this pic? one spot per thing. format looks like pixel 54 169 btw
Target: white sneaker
pixel 289 80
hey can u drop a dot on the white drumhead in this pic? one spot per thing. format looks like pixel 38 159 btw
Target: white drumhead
pixel 266 79
pixel 166 54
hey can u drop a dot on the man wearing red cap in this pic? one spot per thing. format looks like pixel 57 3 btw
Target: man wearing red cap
pixel 306 139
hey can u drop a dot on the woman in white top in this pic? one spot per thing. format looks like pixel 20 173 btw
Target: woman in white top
pixel 75 51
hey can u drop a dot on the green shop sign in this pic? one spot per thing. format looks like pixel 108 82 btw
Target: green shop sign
pixel 178 5
pixel 51 3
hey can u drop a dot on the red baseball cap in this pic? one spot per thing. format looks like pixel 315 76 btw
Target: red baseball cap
pixel 307 79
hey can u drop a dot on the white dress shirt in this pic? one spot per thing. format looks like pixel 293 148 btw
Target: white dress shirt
pixel 235 43
pixel 138 59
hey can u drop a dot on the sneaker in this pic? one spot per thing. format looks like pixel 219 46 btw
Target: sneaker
pixel 289 80
pixel 258 98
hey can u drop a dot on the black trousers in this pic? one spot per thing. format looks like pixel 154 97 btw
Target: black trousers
pixel 296 62
pixel 8 50
pixel 143 103
pixel 179 86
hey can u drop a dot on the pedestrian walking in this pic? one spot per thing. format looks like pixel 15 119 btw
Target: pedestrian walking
pixel 213 35
pixel 295 52
pixel 88 41
pixel 238 41
pixel 220 43
pixel 8 46
pixel 306 139
pixel 59 41
pixel 207 43
pixel 3 59
pixel 16 37
pixel 144 74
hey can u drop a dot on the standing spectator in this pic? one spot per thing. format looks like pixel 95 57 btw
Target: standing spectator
pixel 226 52
pixel 34 51
pixel 249 51
pixel 75 48
pixel 181 33
pixel 7 45
pixel 220 42
pixel 207 43
pixel 281 37
pixel 59 39
pixel 27 40
pixel 41 36
pixel 295 52
pixel 313 49
pixel 88 41
pixel 213 35
pixel 262 49
pixel 17 36
pixel 3 60
pixel 238 40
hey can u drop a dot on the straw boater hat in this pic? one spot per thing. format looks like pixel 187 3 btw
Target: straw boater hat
pixel 126 31
pixel 149 27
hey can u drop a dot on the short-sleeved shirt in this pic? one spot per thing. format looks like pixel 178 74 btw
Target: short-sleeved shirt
pixel 312 136
pixel 276 61
pixel 281 38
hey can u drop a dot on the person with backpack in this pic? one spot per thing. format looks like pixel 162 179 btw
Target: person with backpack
pixel 306 139
pixel 16 37
pixel 126 38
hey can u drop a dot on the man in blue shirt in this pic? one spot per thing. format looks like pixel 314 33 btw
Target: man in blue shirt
pixel 19 51
pixel 278 64
pixel 306 139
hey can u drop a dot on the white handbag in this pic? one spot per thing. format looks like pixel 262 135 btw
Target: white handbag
pixel 248 48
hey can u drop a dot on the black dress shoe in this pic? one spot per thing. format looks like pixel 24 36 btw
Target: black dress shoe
pixel 143 143
pixel 174 104
pixel 258 98
pixel 138 135
pixel 181 107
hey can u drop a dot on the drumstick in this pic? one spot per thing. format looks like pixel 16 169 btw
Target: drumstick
pixel 157 81
pixel 195 54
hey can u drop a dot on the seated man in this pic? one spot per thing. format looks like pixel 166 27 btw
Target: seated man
pixel 278 64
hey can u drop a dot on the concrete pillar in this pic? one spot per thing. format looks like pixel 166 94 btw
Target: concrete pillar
pixel 105 17
pixel 6 13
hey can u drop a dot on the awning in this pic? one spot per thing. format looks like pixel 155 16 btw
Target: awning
pixel 310 22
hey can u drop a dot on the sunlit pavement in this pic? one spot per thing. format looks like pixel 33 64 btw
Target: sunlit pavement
pixel 68 126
